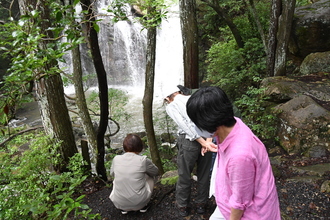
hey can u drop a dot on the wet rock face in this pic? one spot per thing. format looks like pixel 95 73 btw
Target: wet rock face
pixel 311 29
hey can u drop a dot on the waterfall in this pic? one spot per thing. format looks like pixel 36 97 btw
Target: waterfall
pixel 123 49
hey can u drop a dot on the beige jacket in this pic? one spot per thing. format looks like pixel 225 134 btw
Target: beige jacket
pixel 132 173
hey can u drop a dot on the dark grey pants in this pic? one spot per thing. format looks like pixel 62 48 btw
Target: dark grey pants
pixel 189 154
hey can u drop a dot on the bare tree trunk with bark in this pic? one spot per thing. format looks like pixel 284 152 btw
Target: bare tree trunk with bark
pixel 272 38
pixel 279 35
pixel 284 31
pixel 190 43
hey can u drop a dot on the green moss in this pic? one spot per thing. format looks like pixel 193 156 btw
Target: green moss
pixel 169 180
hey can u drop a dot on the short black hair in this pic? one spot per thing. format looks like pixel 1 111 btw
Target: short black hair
pixel 133 143
pixel 209 108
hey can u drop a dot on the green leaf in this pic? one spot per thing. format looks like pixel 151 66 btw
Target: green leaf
pixel 84 206
pixel 96 27
pixel 59 16
pixel 76 2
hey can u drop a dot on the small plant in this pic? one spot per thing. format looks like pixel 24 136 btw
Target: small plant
pixel 169 180
pixel 256 114
pixel 168 164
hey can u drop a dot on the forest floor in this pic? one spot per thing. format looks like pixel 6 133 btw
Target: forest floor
pixel 300 197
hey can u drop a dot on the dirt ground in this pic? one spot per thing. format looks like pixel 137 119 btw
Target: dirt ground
pixel 299 200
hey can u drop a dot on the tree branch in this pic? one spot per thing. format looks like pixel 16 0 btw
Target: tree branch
pixel 2 144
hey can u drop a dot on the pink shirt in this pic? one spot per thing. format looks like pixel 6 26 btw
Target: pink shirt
pixel 244 177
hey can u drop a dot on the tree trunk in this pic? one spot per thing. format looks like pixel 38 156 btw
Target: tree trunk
pixel 190 42
pixel 81 100
pixel 49 91
pixel 148 97
pixel 284 31
pixel 103 86
pixel 79 88
pixel 272 38
pixel 223 15
pixel 259 26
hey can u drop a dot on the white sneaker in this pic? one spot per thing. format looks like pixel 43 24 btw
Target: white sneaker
pixel 145 208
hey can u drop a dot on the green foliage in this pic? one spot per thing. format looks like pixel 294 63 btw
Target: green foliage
pixel 246 22
pixel 239 71
pixel 256 113
pixel 152 11
pixel 303 2
pixel 31 189
pixel 169 180
pixel 21 45
pixel 31 51
pixel 167 163
pixel 117 100
pixel 164 123
pixel 235 70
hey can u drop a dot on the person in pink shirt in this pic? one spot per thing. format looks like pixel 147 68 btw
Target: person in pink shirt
pixel 244 182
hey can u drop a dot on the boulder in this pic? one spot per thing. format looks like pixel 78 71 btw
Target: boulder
pixel 311 29
pixel 281 89
pixel 316 63
pixel 303 124
pixel 303 113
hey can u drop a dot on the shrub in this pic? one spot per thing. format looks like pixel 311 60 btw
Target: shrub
pixel 235 70
pixel 31 189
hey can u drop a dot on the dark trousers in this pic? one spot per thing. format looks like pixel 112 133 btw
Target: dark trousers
pixel 189 154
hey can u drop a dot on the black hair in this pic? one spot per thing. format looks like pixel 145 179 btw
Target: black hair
pixel 209 108
pixel 184 90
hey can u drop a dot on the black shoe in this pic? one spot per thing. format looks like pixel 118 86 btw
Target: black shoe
pixel 184 211
pixel 145 208
pixel 200 209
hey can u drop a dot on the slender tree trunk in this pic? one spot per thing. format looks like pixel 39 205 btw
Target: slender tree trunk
pixel 148 97
pixel 81 100
pixel 190 42
pixel 79 88
pixel 50 92
pixel 284 31
pixel 87 6
pixel 229 21
pixel 259 26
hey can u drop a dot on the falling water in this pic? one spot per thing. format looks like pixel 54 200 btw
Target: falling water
pixel 123 48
